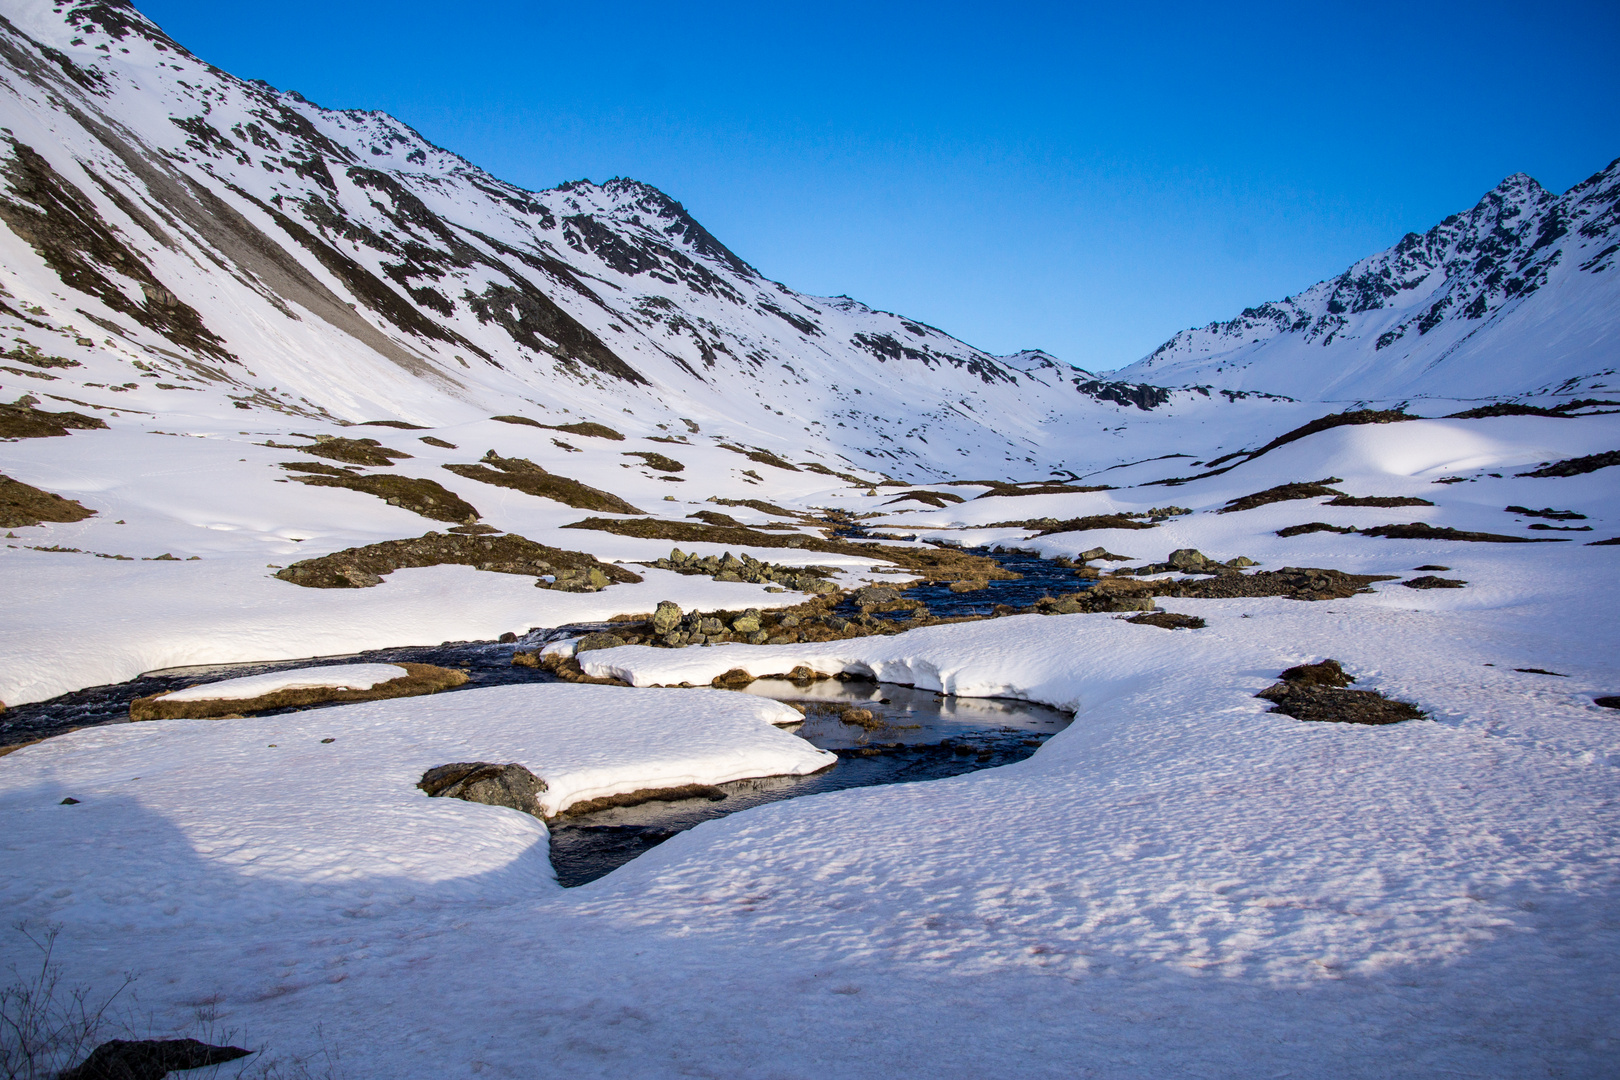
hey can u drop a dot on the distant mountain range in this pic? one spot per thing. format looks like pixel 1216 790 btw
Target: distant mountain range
pixel 1520 295
pixel 232 238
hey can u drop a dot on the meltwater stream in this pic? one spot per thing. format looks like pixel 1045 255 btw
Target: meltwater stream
pixel 914 734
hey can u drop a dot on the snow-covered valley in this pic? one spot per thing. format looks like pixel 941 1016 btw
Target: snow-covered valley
pixel 284 382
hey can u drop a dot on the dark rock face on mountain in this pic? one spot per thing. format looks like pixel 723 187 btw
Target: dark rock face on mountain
pixel 227 237
pixel 336 264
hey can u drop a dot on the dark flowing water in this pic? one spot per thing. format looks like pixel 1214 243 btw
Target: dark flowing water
pixel 915 735
pixel 486 663
pixel 1041 577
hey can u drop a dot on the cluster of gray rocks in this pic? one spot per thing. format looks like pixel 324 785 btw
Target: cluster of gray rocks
pixel 1191 561
pixel 675 628
pixel 729 567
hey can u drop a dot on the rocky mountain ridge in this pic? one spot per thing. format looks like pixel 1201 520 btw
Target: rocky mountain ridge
pixel 1517 295
pixel 336 264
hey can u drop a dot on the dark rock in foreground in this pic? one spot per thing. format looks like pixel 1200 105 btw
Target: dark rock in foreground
pixel 510 785
pixel 1316 692
pixel 149 1059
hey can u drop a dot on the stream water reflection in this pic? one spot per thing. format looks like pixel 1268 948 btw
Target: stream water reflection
pixel 913 735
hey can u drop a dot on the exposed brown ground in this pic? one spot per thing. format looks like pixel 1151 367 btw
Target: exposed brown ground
pixel 419 679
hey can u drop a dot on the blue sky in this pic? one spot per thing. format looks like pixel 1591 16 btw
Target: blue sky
pixel 1084 179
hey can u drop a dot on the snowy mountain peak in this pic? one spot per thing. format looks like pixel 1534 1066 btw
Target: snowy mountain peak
pixel 1508 297
pixel 336 264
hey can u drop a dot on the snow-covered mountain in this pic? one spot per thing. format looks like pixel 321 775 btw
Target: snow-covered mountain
pixel 225 236
pixel 1519 295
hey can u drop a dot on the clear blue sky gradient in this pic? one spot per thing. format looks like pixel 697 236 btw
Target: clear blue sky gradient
pixel 1084 179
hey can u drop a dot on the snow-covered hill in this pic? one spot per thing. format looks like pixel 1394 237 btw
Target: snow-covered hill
pixel 1520 295
pixel 221 235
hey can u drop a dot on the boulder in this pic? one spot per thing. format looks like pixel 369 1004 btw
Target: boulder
pixel 149 1059
pixel 1189 560
pixel 1100 554
pixel 667 617
pixel 746 624
pixel 510 785
pixel 599 640
pixel 1326 673
pixel 876 594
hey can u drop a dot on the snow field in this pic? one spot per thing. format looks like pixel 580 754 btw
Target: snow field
pixel 267 799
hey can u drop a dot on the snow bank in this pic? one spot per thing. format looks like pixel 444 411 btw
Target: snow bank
pixel 341 677
pixel 270 798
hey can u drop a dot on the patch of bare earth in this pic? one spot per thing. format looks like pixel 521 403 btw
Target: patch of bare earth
pixel 418 679
pixel 363 567
pixel 930 563
pixel 521 474
pixel 1317 693
pixel 23 504
pixel 353 451
pixel 22 421
pixel 424 497
pixel 1284 493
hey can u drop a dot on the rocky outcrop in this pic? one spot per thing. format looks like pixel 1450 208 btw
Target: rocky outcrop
pixel 363 567
pixel 729 567
pixel 510 785
pixel 149 1059
pixel 1317 693
pixel 521 474
pixel 23 505
pixel 23 421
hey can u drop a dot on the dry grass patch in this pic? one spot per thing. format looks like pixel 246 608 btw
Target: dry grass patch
pixel 582 427
pixel 764 457
pixel 418 679
pixel 352 451
pixel 424 497
pixel 1429 581
pixel 656 461
pixel 523 475
pixel 1314 526
pixel 1004 489
pixel 23 504
pixel 22 421
pixel 645 795
pixel 363 567
pixel 1293 582
pixel 931 563
pixel 1378 500
pixel 1417 530
pixel 756 504
pixel 1284 493
pixel 1316 692
pixel 937 499
pixel 1578 466
pixel 1167 620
